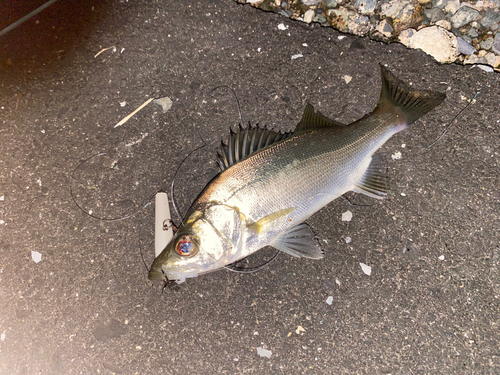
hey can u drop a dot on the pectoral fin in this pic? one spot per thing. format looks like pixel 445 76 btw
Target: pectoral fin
pixel 299 242
pixel 266 222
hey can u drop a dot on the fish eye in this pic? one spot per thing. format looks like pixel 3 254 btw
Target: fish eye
pixel 186 246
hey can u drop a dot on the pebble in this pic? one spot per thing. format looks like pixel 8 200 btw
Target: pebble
pixel 448 30
pixel 464 47
pixel 437 42
pixel 463 16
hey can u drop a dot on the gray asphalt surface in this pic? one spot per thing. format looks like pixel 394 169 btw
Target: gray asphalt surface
pixel 431 303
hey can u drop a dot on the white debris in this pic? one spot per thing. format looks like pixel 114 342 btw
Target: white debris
pixel 2 222
pixel 347 216
pixel 347 78
pixel 282 26
pixel 348 239
pixel 299 330
pixel 329 300
pixel 403 194
pixel 165 103
pixel 137 140
pixel 123 104
pixel 304 44
pixel 298 55
pixel 441 257
pixel 337 282
pixel 366 269
pixel 396 155
pixel 2 198
pixel 264 352
pixel 36 256
pixel 2 336
pixel 325 241
pixel 340 37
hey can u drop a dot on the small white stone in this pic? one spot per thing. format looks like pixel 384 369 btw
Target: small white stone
pixel 347 78
pixel 2 197
pixel 396 155
pixel 340 37
pixel 347 216
pixel 36 256
pixel 309 15
pixel 123 104
pixel 348 239
pixel 298 55
pixel 366 269
pixel 441 257
pixel 282 26
pixel 2 336
pixel 329 300
pixel 264 352
pixel 337 282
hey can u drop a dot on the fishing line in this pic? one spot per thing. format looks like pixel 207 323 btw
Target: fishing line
pixel 95 216
pixel 472 101
pixel 235 97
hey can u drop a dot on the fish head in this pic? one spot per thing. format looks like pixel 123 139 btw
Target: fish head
pixel 207 241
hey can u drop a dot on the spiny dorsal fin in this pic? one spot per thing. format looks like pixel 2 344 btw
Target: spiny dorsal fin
pixel 245 142
pixel 311 120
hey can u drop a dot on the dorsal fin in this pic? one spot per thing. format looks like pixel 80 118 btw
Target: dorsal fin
pixel 245 142
pixel 311 120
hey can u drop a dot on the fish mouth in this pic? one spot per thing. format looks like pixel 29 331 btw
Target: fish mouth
pixel 156 275
pixel 160 274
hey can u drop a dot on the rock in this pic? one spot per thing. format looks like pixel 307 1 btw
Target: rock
pixel 385 28
pixel 482 53
pixel 472 59
pixel 439 4
pixel 452 6
pixel 365 6
pixel 309 15
pixel 434 15
pixel 311 2
pixel 489 19
pixel 397 9
pixel 463 16
pixel 464 47
pixel 405 36
pixel 359 25
pixel 496 63
pixel 424 1
pixel 496 44
pixel 445 24
pixel 331 3
pixel 486 44
pixel 485 67
pixel 437 42
pixel 490 58
pixel 473 32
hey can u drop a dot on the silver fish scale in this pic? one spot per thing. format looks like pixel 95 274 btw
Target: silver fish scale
pixel 305 172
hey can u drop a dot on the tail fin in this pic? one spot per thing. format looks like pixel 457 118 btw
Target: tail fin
pixel 412 103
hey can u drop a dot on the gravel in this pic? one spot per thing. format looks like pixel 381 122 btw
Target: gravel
pixel 470 28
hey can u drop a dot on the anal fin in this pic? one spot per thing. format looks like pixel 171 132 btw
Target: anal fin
pixel 299 241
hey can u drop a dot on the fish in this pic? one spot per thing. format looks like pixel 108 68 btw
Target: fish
pixel 270 183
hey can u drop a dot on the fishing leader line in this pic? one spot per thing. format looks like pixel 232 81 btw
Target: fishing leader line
pixel 450 124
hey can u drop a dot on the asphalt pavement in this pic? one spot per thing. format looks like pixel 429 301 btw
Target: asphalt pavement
pixel 74 292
